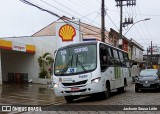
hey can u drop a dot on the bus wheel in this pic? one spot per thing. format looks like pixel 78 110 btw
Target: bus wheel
pixel 106 93
pixel 69 99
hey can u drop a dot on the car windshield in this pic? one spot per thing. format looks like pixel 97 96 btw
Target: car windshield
pixel 149 72
pixel 75 59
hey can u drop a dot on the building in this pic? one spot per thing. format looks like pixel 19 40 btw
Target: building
pixel 114 40
pixel 134 49
pixel 31 57
pixel 151 59
pixel 24 58
pixel 88 32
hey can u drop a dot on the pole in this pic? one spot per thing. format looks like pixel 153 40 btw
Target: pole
pixel 103 22
pixel 121 16
pixel 147 58
pixel 151 55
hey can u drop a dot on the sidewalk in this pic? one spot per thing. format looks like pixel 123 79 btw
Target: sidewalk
pixel 27 94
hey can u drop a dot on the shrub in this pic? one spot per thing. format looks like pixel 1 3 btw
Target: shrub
pixel 43 74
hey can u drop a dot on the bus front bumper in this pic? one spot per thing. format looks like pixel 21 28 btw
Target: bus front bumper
pixel 82 90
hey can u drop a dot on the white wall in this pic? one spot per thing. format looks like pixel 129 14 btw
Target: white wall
pixel 137 54
pixel 17 63
pixel 43 44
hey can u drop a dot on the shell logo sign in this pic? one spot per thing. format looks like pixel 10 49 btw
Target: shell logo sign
pixel 67 32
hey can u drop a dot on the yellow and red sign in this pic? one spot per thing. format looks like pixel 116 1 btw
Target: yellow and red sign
pixel 67 32
pixel 9 45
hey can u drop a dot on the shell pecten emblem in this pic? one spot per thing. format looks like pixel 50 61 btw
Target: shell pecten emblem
pixel 67 32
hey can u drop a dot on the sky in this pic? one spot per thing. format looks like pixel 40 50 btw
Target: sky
pixel 19 19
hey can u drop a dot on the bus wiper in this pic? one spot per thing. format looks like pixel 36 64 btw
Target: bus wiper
pixel 77 61
pixel 67 66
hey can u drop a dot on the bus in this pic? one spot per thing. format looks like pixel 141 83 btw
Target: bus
pixel 90 68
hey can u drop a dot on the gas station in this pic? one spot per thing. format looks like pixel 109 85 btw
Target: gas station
pixel 15 60
pixel 19 55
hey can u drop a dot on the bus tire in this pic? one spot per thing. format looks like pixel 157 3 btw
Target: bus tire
pixel 69 99
pixel 106 94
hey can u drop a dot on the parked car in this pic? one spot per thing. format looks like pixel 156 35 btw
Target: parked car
pixel 148 79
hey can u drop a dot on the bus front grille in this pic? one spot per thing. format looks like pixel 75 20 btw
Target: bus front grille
pixel 76 83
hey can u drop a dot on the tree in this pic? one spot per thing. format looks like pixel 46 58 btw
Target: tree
pixel 45 62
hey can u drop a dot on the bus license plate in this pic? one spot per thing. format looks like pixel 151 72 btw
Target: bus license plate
pixel 76 93
pixel 74 89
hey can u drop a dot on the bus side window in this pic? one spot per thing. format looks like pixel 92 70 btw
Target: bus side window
pixel 122 60
pixel 126 59
pixel 103 57
pixel 116 57
pixel 110 56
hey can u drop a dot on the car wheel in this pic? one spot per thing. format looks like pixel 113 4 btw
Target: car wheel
pixel 136 89
pixel 69 99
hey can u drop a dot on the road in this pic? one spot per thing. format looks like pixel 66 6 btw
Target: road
pixel 149 98
pixel 46 98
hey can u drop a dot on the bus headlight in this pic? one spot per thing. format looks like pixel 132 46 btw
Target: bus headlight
pixel 96 80
pixel 56 85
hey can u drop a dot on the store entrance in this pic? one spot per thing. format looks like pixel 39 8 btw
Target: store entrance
pixel 18 77
pixel 17 67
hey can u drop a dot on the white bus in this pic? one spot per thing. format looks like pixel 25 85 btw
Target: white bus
pixel 88 68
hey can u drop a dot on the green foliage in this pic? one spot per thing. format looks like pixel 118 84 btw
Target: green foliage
pixel 43 73
pixel 40 61
pixel 46 60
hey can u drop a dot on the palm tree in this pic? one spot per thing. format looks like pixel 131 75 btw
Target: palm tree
pixel 45 61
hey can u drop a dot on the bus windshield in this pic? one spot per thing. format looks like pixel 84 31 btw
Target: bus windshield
pixel 75 60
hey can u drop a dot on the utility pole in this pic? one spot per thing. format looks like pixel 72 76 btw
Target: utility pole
pixel 121 18
pixel 130 21
pixel 151 55
pixel 103 22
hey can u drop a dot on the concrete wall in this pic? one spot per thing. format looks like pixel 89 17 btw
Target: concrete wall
pixel 17 63
pixel 137 54
pixel 29 62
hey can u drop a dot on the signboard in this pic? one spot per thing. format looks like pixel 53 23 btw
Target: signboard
pixel 18 47
pixel 154 49
pixel 67 32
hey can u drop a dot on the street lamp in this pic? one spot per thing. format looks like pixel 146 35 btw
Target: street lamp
pixel 137 22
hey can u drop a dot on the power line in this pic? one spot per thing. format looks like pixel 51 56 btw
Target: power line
pixel 81 5
pixel 135 13
pixel 92 20
pixel 55 7
pixel 29 3
pixel 112 21
pixel 65 20
pixel 69 9
pixel 82 26
pixel 88 3
pixel 144 23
